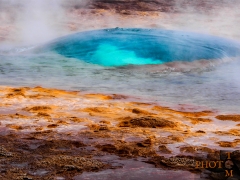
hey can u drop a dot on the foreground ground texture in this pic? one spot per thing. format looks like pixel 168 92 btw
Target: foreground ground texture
pixel 57 134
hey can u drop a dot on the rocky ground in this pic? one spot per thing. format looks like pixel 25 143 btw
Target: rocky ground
pixel 57 134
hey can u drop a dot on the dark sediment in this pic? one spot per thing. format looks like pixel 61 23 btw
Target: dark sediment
pixel 58 136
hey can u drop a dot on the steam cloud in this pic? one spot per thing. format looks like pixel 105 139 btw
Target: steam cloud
pixel 35 21
pixel 38 21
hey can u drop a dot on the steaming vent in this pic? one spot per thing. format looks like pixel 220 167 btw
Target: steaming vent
pixel 120 47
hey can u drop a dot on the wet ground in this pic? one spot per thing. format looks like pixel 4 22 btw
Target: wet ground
pixel 57 134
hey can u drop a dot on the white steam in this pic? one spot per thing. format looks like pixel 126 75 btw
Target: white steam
pixel 209 16
pixel 34 21
pixel 38 21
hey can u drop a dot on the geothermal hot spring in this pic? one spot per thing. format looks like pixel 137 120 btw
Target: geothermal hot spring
pixel 155 65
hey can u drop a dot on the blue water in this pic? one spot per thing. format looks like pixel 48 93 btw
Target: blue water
pixel 119 47
pixel 93 62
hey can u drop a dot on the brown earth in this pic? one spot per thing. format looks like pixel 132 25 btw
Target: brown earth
pixel 229 117
pixel 62 133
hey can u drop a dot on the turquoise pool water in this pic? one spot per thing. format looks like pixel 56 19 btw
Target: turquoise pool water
pixel 119 47
pixel 90 65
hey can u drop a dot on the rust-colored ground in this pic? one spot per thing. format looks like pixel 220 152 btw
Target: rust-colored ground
pixel 61 132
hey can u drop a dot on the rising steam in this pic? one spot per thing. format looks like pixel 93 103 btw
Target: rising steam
pixel 35 21
pixel 38 21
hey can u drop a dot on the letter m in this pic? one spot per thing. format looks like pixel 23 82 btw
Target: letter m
pixel 228 173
